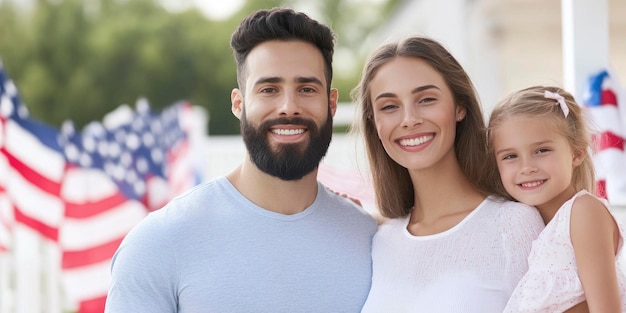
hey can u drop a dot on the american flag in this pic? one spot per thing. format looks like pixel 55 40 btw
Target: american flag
pixel 115 171
pixel 33 165
pixel 86 190
pixel 349 183
pixel 32 172
pixel 605 103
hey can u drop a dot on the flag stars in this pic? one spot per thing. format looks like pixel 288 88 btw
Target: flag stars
pixel 156 127
pixel 138 125
pixel 10 104
pixel 148 140
pixel 103 148
pixel 113 150
pixel 126 159
pixel 133 142
pixel 85 160
pixel 120 136
pixel 139 187
pixel 118 172
pixel 89 143
pixel 157 155
pixel 10 89
pixel 142 165
pixel 109 168
pixel 129 151
pixel 71 152
pixel 22 111
pixel 94 130
pixel 131 177
pixel 6 106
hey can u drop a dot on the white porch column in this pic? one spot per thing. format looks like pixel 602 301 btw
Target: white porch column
pixel 585 42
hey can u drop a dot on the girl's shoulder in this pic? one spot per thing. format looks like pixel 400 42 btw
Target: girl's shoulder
pixel 593 226
pixel 590 211
pixel 585 199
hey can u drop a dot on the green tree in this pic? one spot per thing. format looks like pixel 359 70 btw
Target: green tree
pixel 80 59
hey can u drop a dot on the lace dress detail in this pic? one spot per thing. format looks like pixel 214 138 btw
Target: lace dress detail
pixel 552 283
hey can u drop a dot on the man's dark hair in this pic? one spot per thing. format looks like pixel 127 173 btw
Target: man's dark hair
pixel 280 24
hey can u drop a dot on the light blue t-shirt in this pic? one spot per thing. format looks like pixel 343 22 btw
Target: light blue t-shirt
pixel 212 250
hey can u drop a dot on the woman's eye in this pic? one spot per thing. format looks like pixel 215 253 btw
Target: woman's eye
pixel 428 100
pixel 387 107
pixel 508 157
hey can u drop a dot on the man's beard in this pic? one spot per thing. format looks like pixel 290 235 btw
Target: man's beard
pixel 290 161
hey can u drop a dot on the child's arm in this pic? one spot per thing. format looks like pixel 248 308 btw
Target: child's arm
pixel 595 238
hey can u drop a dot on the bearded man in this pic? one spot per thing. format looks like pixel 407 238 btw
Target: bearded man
pixel 267 237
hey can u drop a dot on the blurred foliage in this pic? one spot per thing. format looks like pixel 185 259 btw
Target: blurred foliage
pixel 80 59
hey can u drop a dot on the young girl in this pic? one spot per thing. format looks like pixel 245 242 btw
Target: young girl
pixel 539 142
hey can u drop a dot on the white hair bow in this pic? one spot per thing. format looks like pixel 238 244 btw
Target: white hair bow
pixel 559 100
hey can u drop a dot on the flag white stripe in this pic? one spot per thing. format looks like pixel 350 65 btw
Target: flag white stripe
pixel 29 150
pixel 33 201
pixel 78 234
pixel 99 278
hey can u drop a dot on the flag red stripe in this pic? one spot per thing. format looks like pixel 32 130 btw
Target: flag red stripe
pixel 601 188
pixel 45 230
pixel 42 182
pixel 95 305
pixel 92 208
pixel 94 254
pixel 608 140
pixel 608 97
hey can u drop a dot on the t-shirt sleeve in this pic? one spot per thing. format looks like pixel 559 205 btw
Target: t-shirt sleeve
pixel 143 271
pixel 521 225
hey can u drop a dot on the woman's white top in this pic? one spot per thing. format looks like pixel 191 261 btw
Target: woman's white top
pixel 471 267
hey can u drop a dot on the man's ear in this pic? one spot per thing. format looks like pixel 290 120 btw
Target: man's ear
pixel 236 101
pixel 332 102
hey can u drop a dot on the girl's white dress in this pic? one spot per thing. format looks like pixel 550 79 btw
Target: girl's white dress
pixel 551 283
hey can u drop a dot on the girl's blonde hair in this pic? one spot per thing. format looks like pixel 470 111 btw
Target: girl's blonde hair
pixel 392 184
pixel 532 102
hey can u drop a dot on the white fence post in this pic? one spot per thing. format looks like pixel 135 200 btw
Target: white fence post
pixel 52 291
pixel 6 294
pixel 27 269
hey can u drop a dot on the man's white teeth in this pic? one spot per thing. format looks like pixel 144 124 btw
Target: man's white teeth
pixel 288 132
pixel 532 184
pixel 416 141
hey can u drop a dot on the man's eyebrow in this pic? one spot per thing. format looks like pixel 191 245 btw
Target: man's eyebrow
pixel 308 80
pixel 299 80
pixel 268 80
